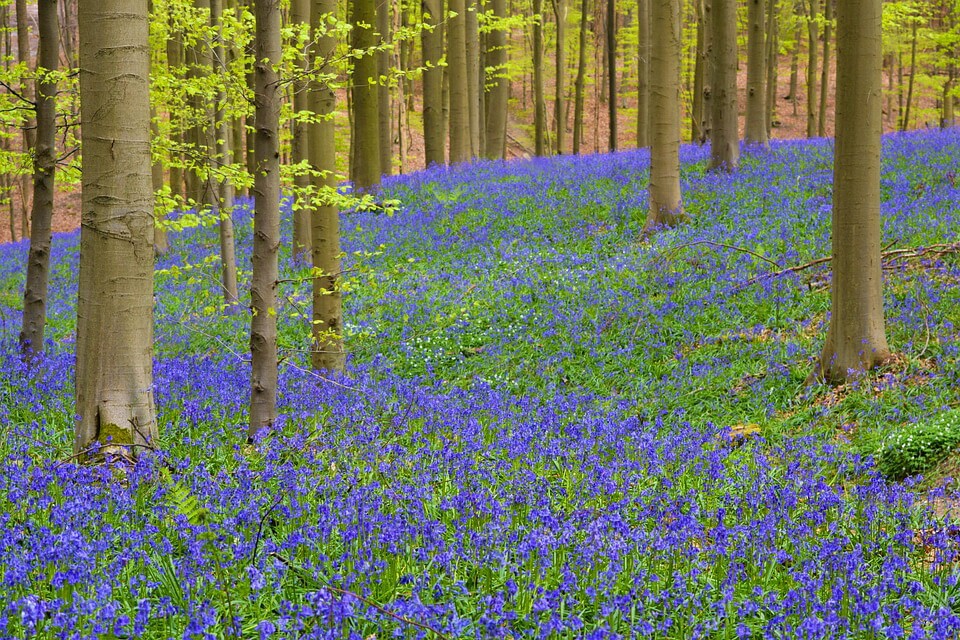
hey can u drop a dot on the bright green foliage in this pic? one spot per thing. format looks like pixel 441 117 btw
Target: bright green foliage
pixel 918 447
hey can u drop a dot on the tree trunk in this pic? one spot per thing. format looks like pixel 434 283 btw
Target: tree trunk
pixel 474 90
pixel 198 60
pixel 581 79
pixel 825 72
pixel 703 74
pixel 611 50
pixel 499 94
pixel 948 119
pixel 856 340
pixel 643 73
pixel 327 352
pixel 223 202
pixel 299 16
pixel 756 130
pixel 383 89
pixel 539 106
pixel 773 61
pixel 795 66
pixel 666 207
pixel 266 217
pixel 905 123
pixel 434 141
pixel 114 372
pixel 29 127
pixel 559 107
pixel 457 77
pixel 724 143
pixel 813 32
pixel 44 166
pixel 174 47
pixel 366 113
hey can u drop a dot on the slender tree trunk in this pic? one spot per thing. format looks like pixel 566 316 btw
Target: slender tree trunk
pixel 540 108
pixel 559 107
pixel 496 126
pixel 756 130
pixel 813 32
pixel 856 340
pixel 666 207
pixel 266 217
pixel 366 114
pixel 114 373
pixel 299 16
pixel 581 79
pixel 905 123
pixel 7 178
pixel 948 119
pixel 643 73
pixel 457 77
pixel 223 202
pixel 434 141
pixel 29 128
pixel 795 65
pixel 174 46
pixel 327 328
pixel 383 89
pixel 474 89
pixel 825 72
pixel 611 51
pixel 44 166
pixel 68 33
pixel 724 144
pixel 161 241
pixel 198 134
pixel 773 61
pixel 706 58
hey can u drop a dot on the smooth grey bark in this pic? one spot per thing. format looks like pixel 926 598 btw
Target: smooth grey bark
pixel 266 218
pixel 29 127
pixel 773 61
pixel 198 61
pixel 611 51
pixel 579 83
pixel 539 104
pixel 856 340
pixel 666 206
pixel 905 122
pixel 457 78
pixel 813 36
pixel 495 136
pixel 114 371
pixel 174 46
pixel 224 196
pixel 299 16
pixel 560 59
pixel 643 73
pixel 825 70
pixel 44 167
pixel 327 351
pixel 724 138
pixel 365 128
pixel 755 131
pixel 474 88
pixel 434 139
pixel 384 127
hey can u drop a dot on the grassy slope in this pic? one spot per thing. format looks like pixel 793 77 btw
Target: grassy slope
pixel 534 434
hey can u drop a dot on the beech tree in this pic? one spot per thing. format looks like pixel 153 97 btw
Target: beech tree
pixel 44 166
pixel 756 129
pixel 114 372
pixel 539 106
pixel 580 82
pixel 643 73
pixel 611 51
pixel 666 207
pixel 266 217
pixel 499 91
pixel 300 18
pixel 434 138
pixel 856 340
pixel 457 77
pixel 364 89
pixel 724 134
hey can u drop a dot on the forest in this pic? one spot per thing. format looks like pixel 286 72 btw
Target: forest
pixel 479 319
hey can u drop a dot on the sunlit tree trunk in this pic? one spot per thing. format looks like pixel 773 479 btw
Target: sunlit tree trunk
pixel 559 101
pixel 44 167
pixel 434 139
pixel 223 198
pixel 703 74
pixel 198 62
pixel 856 340
pixel 666 207
pixel 756 130
pixel 539 105
pixel 266 218
pixel 643 73
pixel 581 79
pixel 366 114
pixel 457 77
pixel 114 372
pixel 474 89
pixel 385 127
pixel 724 138
pixel 299 16
pixel 773 61
pixel 825 72
pixel 905 122
pixel 29 127
pixel 813 35
pixel 496 111
pixel 327 352
pixel 611 51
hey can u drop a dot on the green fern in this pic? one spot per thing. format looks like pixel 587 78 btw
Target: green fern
pixel 184 501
